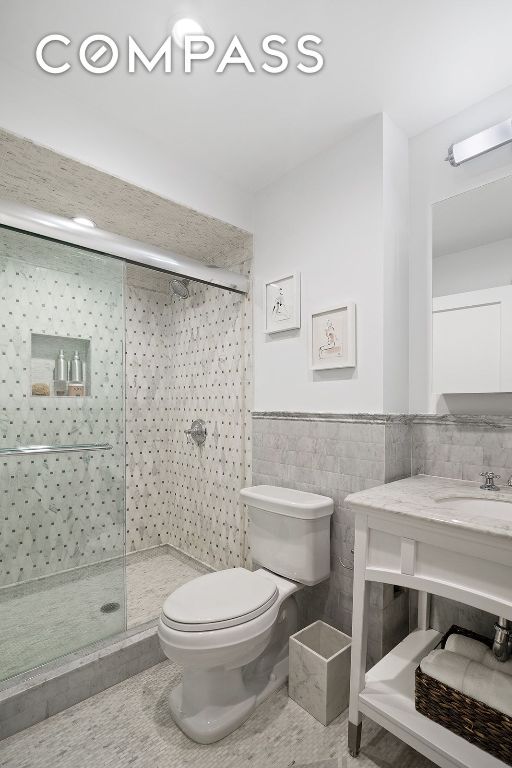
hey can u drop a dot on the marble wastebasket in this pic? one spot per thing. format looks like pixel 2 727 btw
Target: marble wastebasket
pixel 319 678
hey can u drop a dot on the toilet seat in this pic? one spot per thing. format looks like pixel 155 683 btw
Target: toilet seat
pixel 219 600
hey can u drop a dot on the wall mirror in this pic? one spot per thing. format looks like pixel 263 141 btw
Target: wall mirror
pixel 472 291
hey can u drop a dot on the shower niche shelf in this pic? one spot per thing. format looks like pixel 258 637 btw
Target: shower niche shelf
pixel 44 350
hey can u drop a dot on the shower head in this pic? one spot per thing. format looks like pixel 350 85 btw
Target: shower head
pixel 179 286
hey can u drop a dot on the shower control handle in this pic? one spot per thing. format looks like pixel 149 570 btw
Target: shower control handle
pixel 197 432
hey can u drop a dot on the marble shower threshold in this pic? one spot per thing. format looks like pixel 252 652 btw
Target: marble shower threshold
pixel 35 694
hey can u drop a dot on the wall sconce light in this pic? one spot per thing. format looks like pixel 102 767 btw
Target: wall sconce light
pixel 480 143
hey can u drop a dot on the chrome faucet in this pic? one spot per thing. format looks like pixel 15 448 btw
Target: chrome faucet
pixel 488 484
pixel 509 482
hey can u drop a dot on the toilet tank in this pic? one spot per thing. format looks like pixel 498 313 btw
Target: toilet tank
pixel 289 532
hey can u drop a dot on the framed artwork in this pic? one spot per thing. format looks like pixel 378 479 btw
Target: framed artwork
pixel 333 338
pixel 282 303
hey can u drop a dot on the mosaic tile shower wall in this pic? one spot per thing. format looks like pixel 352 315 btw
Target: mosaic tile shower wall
pixel 155 455
pixel 63 510
pixel 186 359
pixel 182 359
pixel 207 382
pixel 148 417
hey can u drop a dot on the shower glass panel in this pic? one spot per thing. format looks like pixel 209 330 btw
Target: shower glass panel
pixel 62 512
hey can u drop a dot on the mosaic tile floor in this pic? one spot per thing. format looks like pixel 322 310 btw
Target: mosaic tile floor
pixel 129 725
pixel 150 579
pixel 42 620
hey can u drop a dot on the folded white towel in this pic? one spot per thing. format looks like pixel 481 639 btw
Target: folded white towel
pixel 490 661
pixel 470 677
pixel 466 646
pixel 447 667
pixel 489 686
pixel 477 651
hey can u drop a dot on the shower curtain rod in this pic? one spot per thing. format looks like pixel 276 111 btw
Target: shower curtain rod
pixel 22 217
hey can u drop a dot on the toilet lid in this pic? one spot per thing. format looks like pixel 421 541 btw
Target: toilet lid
pixel 219 600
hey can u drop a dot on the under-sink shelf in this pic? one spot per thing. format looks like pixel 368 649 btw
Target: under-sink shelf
pixel 388 699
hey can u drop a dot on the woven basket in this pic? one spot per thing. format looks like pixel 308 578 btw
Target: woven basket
pixel 478 723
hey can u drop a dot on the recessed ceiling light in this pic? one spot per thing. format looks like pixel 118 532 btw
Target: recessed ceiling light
pixel 83 221
pixel 185 27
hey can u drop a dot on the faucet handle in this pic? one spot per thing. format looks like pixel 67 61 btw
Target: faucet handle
pixel 488 484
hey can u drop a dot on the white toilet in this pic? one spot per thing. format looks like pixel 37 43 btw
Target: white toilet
pixel 229 630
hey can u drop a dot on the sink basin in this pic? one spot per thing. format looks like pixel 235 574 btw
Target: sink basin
pixel 475 505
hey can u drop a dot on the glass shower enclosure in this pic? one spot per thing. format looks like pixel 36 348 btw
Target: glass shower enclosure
pixel 73 316
pixel 62 449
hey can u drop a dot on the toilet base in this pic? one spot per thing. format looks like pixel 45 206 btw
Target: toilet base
pixel 242 690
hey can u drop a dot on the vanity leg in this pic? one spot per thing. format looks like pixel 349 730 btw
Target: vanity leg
pixel 423 610
pixel 354 738
pixel 360 611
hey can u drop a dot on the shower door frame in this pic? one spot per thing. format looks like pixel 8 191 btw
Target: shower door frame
pixel 23 218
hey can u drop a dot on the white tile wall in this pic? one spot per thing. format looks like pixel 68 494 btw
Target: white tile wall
pixel 186 359
pixel 148 417
pixel 59 511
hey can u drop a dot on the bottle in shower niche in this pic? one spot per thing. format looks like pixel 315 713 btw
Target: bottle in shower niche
pixel 60 374
pixel 76 386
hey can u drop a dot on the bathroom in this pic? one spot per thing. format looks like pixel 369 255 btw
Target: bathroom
pixel 194 309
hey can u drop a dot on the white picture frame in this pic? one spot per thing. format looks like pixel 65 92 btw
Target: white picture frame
pixel 281 303
pixel 333 338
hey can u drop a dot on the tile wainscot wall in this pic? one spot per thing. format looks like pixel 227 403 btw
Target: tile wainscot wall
pixel 461 447
pixel 339 454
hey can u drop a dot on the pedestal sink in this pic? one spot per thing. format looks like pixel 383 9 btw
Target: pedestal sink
pixel 498 509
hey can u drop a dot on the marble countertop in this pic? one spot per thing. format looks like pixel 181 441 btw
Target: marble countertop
pixel 416 497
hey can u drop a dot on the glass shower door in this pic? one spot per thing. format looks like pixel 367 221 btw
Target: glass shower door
pixel 62 465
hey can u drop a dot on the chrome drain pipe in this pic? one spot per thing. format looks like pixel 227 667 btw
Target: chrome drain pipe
pixel 502 646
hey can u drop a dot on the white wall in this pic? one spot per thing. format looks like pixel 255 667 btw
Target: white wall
pixel 432 179
pixel 395 268
pixel 327 219
pixel 487 266
pixel 324 219
pixel 96 139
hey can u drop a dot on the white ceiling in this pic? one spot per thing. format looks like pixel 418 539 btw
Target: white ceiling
pixel 419 60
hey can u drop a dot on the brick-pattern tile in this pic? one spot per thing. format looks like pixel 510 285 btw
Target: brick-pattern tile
pixel 462 451
pixel 334 458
